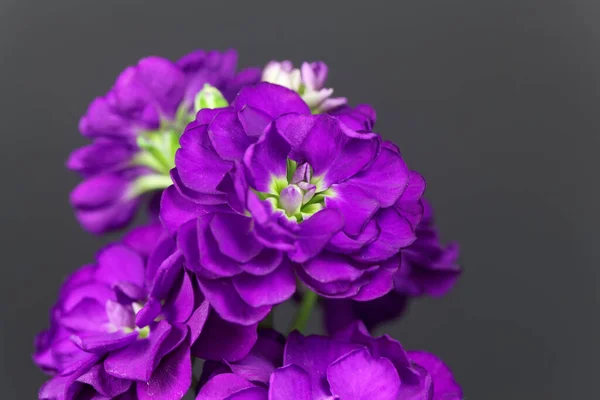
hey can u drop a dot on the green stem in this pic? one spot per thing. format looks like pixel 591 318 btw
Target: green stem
pixel 309 300
pixel 148 183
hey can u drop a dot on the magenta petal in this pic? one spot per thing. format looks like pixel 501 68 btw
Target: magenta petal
pixel 266 290
pixel 172 377
pixel 222 386
pixel 444 385
pixel 105 342
pixel 290 382
pixel 228 137
pixel 361 376
pixel 315 354
pixel 138 360
pixel 222 340
pixel 118 263
pixel 229 305
pixel 315 233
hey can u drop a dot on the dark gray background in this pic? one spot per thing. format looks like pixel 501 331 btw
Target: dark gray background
pixel 495 102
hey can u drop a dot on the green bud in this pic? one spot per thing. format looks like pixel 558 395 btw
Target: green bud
pixel 209 97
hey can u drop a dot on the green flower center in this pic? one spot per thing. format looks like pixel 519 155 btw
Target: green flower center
pixel 299 194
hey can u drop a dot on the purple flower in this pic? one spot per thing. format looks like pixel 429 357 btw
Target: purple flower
pixel 427 269
pixel 135 129
pixel 352 365
pixel 126 326
pixel 263 188
pixel 308 81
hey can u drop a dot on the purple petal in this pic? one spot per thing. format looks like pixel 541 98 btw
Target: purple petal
pixel 228 136
pixel 267 159
pixel 290 382
pixel 361 376
pixel 254 121
pixel 166 275
pixel 395 234
pixel 103 383
pixel 383 346
pixel 148 313
pixel 234 236
pixel 444 385
pixel 101 120
pixel 198 165
pixel 229 305
pixel 264 263
pixel 118 263
pixel 100 156
pixel 137 361
pixel 315 354
pixel 379 284
pixel 222 386
pixel 354 204
pixel 331 267
pixel 273 100
pixel 222 340
pixel 171 379
pixel 143 239
pixel 198 320
pixel 315 233
pixel 265 356
pixel 254 393
pixel 342 243
pixel 105 342
pixel 87 316
pixel 385 179
pixel 410 204
pixel 206 249
pixel 179 305
pixel 267 290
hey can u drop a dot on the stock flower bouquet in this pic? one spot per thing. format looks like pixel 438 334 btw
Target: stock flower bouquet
pixel 260 187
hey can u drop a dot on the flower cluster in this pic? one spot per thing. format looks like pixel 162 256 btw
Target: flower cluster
pixel 262 188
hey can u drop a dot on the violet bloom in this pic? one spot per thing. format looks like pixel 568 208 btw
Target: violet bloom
pixel 135 130
pixel 308 81
pixel 427 269
pixel 352 365
pixel 263 188
pixel 126 326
